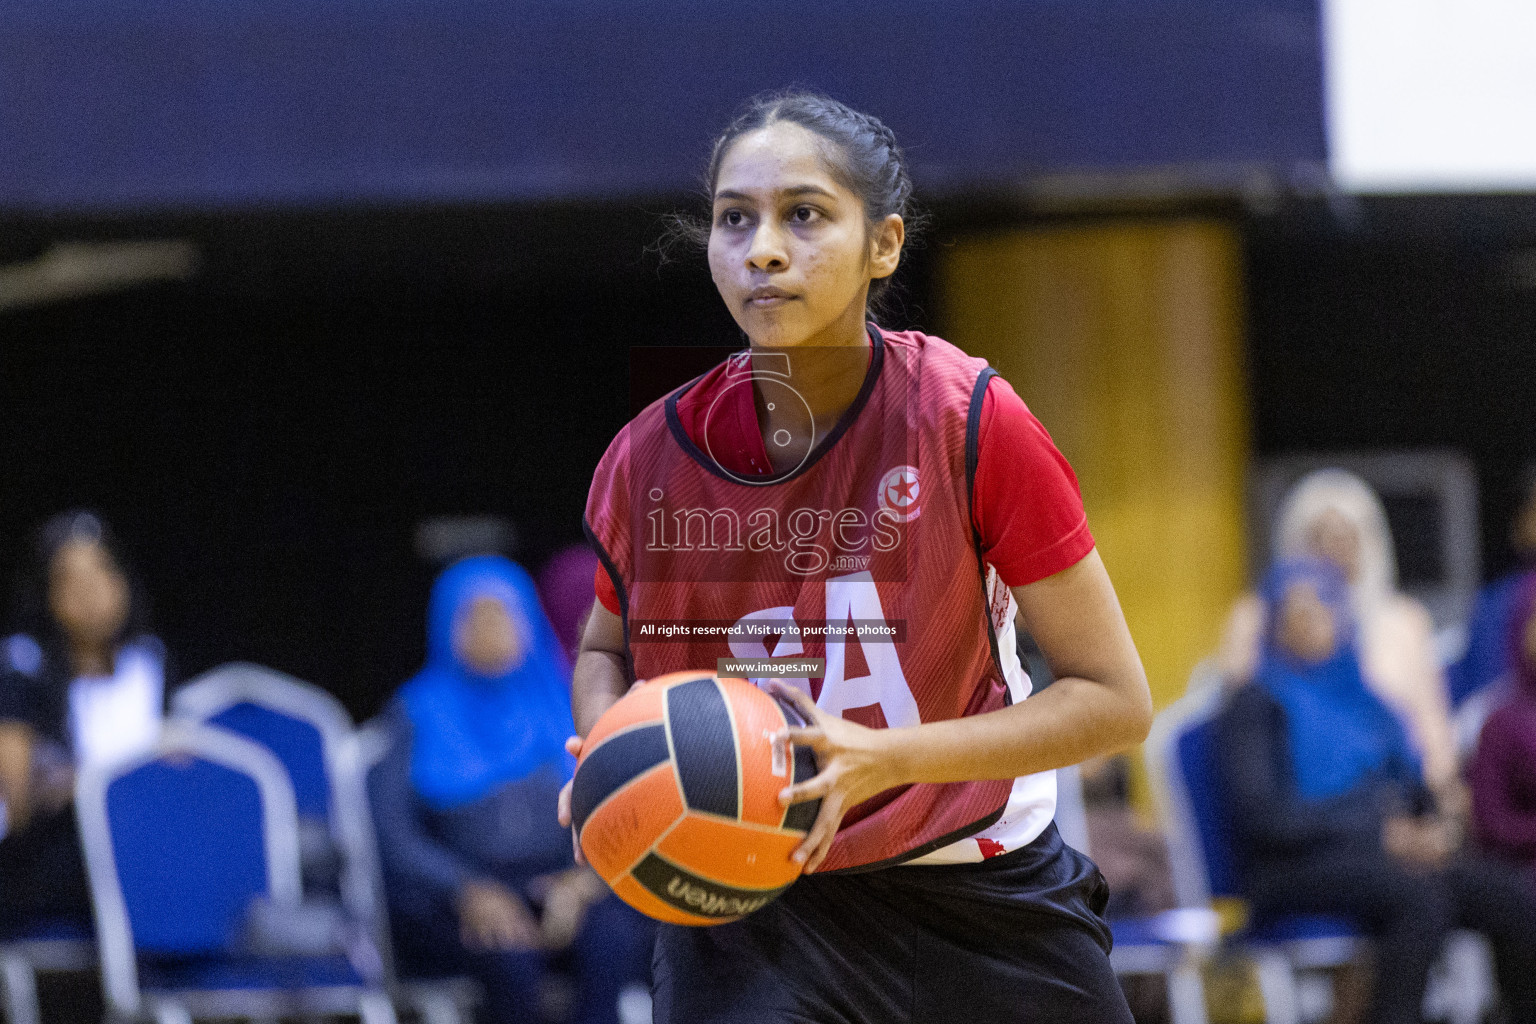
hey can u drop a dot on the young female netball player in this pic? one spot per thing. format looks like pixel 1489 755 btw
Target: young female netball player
pixel 839 472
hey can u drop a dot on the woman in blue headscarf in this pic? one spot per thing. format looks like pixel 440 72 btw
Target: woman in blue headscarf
pixel 1330 813
pixel 480 876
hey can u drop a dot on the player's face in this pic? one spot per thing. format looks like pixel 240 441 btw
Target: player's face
pixel 789 245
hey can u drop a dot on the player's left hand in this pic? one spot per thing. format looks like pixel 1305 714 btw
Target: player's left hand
pixel 563 802
pixel 573 746
pixel 854 764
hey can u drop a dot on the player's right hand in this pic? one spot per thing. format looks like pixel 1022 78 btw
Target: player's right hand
pixel 853 764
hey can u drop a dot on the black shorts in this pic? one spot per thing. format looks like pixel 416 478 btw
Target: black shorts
pixel 1020 937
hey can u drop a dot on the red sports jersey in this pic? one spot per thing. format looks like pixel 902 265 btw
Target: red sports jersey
pixel 874 527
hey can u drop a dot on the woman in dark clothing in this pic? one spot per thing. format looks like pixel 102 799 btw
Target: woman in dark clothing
pixel 83 682
pixel 1503 773
pixel 480 876
pixel 1330 814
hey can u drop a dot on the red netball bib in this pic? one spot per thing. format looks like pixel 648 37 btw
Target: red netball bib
pixel 863 555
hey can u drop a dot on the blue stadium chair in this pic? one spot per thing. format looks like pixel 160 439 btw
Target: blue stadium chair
pixel 327 762
pixel 1181 761
pixel 1170 945
pixel 53 946
pixel 302 724
pixel 179 844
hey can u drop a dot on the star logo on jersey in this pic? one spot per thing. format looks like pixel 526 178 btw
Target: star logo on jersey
pixel 900 493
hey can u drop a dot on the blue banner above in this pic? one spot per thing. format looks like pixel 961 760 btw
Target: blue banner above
pixel 107 105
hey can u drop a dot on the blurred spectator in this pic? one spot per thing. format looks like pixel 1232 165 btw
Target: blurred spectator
pixel 82 682
pixel 1503 772
pixel 1330 815
pixel 480 876
pixel 1132 857
pixel 1334 515
pixel 567 590
pixel 1488 649
pixel 1134 862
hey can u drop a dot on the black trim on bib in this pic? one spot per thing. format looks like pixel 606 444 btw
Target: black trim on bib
pixel 871 378
pixel 618 586
pixel 972 457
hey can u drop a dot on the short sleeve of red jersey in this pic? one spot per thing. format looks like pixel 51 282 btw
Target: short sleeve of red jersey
pixel 606 593
pixel 1026 505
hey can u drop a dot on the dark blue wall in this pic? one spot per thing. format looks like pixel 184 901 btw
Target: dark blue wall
pixel 117 104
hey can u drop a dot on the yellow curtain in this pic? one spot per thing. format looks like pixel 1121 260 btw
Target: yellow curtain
pixel 1125 339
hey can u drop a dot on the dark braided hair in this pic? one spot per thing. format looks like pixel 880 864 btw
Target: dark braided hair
pixel 861 153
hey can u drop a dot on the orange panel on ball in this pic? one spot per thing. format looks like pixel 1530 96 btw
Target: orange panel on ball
pixel 758 718
pixel 732 854
pixel 639 897
pixel 624 826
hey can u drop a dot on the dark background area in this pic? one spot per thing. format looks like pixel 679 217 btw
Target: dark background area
pixel 1411 324
pixel 267 437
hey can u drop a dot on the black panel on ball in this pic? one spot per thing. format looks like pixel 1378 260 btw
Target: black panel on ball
pixel 704 747
pixel 802 816
pixel 618 760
